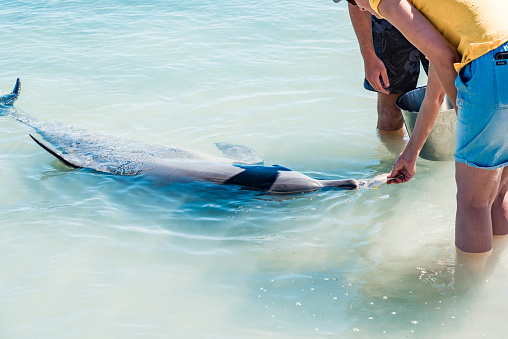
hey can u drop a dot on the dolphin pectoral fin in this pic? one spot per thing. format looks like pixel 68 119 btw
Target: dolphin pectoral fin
pixel 9 99
pixel 56 154
pixel 239 153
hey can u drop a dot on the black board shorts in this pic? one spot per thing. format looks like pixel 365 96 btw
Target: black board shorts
pixel 402 60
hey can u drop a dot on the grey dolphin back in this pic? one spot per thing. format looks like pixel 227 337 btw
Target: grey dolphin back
pixel 10 98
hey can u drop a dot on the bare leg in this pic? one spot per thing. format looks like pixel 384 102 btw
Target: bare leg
pixel 499 223
pixel 469 270
pixel 500 207
pixel 390 123
pixel 470 265
pixel 389 117
pixel 476 191
pixel 499 245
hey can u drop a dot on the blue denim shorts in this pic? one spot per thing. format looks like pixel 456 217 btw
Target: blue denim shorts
pixel 482 116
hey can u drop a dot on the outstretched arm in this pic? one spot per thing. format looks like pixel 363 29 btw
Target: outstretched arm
pixel 405 165
pixel 374 67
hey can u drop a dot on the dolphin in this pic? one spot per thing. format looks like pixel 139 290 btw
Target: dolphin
pixel 82 149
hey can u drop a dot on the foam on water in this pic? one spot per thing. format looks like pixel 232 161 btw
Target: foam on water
pixel 94 255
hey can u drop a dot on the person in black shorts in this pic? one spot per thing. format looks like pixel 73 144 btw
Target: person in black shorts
pixel 392 66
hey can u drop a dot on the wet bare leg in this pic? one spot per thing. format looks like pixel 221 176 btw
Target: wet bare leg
pixel 477 190
pixel 500 207
pixel 500 243
pixel 499 223
pixel 469 270
pixel 389 115
pixel 390 123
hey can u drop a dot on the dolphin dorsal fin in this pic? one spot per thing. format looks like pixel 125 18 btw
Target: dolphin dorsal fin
pixel 239 153
pixel 62 158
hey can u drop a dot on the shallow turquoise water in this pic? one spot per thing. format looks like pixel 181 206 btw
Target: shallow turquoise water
pixel 87 255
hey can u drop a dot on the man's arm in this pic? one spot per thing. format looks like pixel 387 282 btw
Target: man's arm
pixel 374 67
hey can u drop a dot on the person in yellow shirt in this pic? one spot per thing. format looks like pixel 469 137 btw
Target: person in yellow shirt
pixel 466 43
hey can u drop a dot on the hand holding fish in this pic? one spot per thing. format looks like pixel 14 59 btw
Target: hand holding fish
pixel 403 170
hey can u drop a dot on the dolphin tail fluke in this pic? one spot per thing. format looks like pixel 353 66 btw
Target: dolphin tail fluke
pixel 348 184
pixel 17 87
pixel 56 154
pixel 9 99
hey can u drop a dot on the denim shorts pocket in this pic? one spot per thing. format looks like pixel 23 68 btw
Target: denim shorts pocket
pixel 462 99
pixel 466 75
pixel 501 83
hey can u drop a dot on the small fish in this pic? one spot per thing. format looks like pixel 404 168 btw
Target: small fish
pixel 377 180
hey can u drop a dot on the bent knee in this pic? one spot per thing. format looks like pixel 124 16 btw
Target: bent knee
pixel 476 201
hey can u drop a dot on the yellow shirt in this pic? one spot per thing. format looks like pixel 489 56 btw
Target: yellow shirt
pixel 474 27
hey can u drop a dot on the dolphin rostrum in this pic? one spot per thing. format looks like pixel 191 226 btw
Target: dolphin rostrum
pixel 83 149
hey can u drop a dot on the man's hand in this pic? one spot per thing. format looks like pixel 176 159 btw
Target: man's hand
pixel 375 70
pixel 376 75
pixel 403 169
